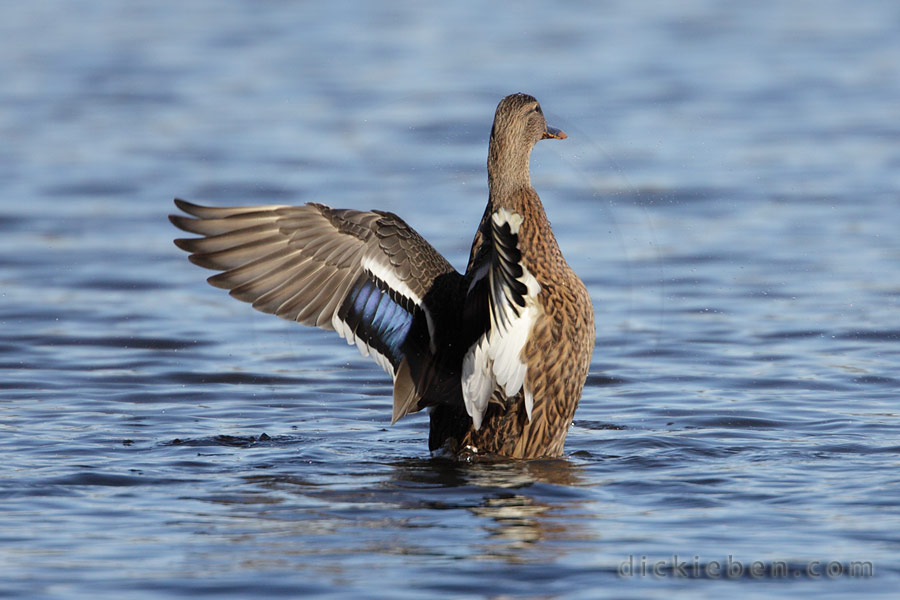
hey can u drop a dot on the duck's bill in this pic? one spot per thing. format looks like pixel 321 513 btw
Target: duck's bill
pixel 554 133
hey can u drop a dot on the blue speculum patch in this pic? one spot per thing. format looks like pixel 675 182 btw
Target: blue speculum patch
pixel 376 318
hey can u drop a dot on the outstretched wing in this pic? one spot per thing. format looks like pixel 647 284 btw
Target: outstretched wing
pixel 500 283
pixel 363 274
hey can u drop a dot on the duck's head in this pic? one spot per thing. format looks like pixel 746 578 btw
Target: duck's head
pixel 518 125
pixel 519 120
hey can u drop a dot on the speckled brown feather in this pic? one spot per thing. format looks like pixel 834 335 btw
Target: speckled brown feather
pixel 558 352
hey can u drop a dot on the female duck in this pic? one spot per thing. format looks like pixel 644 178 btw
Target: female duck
pixel 499 355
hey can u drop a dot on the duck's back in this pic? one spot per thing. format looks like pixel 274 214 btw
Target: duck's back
pixel 519 282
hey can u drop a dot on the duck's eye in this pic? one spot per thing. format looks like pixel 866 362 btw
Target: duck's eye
pixel 538 110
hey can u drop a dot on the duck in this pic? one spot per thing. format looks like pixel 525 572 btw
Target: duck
pixel 497 355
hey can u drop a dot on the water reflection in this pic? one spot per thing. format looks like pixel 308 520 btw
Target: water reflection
pixel 487 474
pixel 518 504
pixel 426 506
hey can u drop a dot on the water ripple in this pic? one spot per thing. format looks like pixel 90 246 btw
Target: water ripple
pixel 734 222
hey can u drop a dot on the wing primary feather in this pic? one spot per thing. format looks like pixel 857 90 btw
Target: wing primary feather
pixel 364 274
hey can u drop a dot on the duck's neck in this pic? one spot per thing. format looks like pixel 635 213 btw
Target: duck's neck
pixel 507 169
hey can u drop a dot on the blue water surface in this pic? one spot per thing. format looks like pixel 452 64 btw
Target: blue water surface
pixel 729 191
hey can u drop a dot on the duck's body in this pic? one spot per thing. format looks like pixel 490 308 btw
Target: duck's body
pixel 499 354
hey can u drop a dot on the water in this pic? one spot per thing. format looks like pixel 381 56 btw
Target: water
pixel 728 191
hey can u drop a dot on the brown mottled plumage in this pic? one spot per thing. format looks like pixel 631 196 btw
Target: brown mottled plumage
pixel 561 342
pixel 499 355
